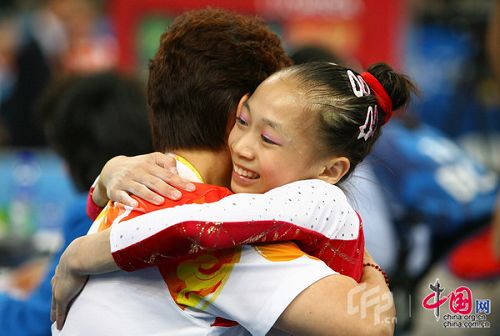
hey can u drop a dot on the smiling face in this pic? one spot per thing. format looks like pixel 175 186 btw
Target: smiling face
pixel 273 141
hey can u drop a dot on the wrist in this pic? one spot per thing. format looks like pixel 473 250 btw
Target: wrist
pixel 379 269
pixel 70 258
pixel 374 274
pixel 93 254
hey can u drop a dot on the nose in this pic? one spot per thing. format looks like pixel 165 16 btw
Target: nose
pixel 242 146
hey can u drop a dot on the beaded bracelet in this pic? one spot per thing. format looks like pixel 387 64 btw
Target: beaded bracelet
pixel 378 268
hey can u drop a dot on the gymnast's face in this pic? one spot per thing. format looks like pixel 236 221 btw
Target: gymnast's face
pixel 272 142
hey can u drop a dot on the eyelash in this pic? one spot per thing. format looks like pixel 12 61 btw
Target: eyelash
pixel 241 121
pixel 267 140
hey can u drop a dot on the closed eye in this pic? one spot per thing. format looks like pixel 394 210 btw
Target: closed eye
pixel 241 121
pixel 267 140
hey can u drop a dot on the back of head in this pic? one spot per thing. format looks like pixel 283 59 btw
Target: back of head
pixel 351 107
pixel 91 118
pixel 314 53
pixel 207 60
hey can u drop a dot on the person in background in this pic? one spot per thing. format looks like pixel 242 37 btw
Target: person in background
pixel 493 52
pixel 474 260
pixel 41 40
pixel 88 119
pixel 431 208
pixel 444 196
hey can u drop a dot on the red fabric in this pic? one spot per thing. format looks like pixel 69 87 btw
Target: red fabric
pixel 222 322
pixel 383 99
pixel 93 210
pixel 475 259
pixel 343 256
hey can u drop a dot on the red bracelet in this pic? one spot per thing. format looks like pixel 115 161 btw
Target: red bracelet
pixel 378 268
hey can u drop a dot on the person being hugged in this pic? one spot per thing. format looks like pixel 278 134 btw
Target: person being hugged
pixel 300 132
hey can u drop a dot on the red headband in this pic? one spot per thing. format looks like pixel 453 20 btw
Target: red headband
pixel 383 99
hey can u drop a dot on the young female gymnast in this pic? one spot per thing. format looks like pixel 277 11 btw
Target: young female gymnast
pixel 326 114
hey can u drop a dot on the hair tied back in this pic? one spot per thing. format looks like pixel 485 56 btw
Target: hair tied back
pixel 383 99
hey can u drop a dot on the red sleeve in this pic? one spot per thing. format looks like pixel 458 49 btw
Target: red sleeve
pixel 93 210
pixel 193 237
pixel 177 241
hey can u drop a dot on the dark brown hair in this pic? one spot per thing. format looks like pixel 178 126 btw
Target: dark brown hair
pixel 207 60
pixel 88 119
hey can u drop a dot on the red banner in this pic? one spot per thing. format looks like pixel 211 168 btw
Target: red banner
pixel 365 31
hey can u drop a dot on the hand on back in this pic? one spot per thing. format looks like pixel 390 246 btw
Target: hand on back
pixel 150 176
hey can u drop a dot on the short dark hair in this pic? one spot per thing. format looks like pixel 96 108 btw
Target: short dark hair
pixel 207 60
pixel 88 119
pixel 314 53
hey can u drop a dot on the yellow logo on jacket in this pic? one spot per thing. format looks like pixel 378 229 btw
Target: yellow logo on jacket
pixel 197 281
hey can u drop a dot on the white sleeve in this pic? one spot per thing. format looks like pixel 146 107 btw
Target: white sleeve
pixel 311 204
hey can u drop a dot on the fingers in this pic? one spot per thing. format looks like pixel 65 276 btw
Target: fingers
pixel 174 180
pixel 138 190
pixel 61 310
pixel 58 309
pixel 170 174
pixel 53 305
pixel 151 182
pixel 151 177
pixel 162 188
pixel 164 160
pixel 166 183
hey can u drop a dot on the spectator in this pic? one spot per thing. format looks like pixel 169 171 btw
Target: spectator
pixel 56 37
pixel 87 120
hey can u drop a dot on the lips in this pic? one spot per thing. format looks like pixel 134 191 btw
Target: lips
pixel 245 173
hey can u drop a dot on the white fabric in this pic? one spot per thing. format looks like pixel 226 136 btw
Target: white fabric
pixel 313 204
pixel 255 294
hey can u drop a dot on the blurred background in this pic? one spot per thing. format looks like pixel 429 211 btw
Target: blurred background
pixel 437 168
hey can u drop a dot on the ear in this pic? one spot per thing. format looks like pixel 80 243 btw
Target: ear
pixel 335 169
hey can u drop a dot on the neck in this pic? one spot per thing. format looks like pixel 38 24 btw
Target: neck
pixel 214 166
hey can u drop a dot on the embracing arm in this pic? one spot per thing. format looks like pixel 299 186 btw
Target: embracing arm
pixel 312 213
pixel 325 303
pixel 335 315
pixel 177 231
pixel 135 174
pixel 151 177
pixel 337 305
pixel 84 256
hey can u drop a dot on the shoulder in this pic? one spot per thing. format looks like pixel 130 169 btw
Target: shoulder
pixel 312 189
pixel 203 189
pixel 204 193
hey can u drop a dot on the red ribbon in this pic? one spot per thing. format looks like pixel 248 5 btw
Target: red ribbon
pixel 383 99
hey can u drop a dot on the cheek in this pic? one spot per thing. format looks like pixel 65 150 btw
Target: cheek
pixel 277 170
pixel 283 171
